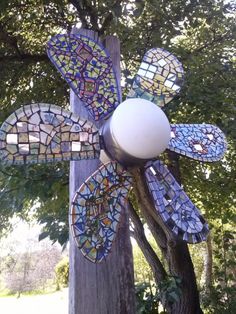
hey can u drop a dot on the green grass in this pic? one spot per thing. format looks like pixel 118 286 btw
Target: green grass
pixel 5 293
pixel 48 290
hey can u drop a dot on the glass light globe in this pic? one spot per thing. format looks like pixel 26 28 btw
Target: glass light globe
pixel 140 128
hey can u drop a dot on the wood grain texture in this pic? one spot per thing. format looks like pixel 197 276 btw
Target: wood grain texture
pixel 108 287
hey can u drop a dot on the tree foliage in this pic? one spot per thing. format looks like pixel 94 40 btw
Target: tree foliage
pixel 200 33
pixel 31 269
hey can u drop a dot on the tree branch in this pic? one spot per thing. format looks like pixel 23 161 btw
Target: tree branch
pixel 150 255
pixel 178 255
pixel 173 165
pixel 110 17
pixel 9 39
pixel 208 261
pixel 93 15
pixel 82 12
pixel 107 20
pixel 160 232
pixel 209 44
pixel 24 57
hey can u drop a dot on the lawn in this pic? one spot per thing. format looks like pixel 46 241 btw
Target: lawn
pixel 54 303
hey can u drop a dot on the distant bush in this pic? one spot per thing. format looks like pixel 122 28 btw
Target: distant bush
pixel 62 272
pixel 30 271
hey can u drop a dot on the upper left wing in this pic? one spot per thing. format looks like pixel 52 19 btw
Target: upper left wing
pixel 87 68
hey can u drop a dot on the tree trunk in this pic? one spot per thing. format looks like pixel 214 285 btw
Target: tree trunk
pixel 208 261
pixel 181 266
pixel 180 262
pixel 175 251
pixel 108 287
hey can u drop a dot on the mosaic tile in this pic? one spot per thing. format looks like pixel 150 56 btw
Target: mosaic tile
pixel 39 136
pixel 173 205
pixel 87 68
pixel 159 77
pixel 204 142
pixel 41 133
pixel 96 210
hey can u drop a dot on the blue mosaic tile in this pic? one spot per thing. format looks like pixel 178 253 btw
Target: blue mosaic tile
pixel 159 77
pixel 96 210
pixel 204 142
pixel 41 133
pixel 87 68
pixel 173 205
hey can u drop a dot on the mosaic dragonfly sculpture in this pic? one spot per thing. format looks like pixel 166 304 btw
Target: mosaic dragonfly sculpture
pixel 133 132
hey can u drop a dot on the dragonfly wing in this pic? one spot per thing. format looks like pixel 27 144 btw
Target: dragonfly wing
pixel 204 142
pixel 96 210
pixel 159 77
pixel 173 205
pixel 39 133
pixel 87 68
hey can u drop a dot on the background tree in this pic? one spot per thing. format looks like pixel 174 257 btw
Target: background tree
pixel 202 34
pixel 26 264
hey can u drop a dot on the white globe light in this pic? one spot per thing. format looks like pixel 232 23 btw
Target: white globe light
pixel 140 128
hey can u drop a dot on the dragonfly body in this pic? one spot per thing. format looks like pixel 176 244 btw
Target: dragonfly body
pixel 136 133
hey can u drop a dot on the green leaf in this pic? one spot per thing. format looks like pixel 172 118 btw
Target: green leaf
pixel 43 235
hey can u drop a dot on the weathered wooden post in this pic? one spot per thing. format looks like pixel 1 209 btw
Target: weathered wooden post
pixel 106 288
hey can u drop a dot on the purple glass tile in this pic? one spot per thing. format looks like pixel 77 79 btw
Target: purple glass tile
pixel 96 210
pixel 173 205
pixel 204 142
